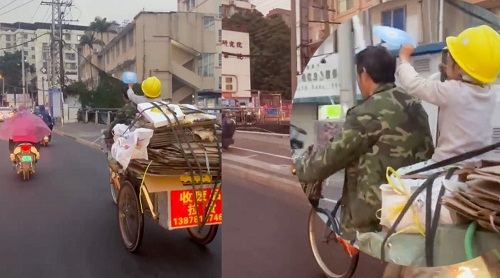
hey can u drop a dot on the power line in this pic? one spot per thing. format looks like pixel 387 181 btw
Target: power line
pixel 31 40
pixel 17 7
pixel 7 4
pixel 39 5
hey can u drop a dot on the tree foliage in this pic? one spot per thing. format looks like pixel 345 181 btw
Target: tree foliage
pixel 270 56
pixel 108 93
pixel 11 70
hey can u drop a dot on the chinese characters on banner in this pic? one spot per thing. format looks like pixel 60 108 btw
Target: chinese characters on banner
pixel 232 44
pixel 183 208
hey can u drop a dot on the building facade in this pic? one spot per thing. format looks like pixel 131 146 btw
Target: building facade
pixel 231 7
pixel 236 81
pixel 176 47
pixel 317 19
pixel 34 40
pixel 211 10
pixel 285 15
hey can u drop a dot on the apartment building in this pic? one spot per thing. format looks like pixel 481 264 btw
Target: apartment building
pixel 285 15
pixel 176 47
pixel 231 7
pixel 212 12
pixel 34 40
pixel 321 20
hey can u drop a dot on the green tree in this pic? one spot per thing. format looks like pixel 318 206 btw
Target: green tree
pixel 11 70
pixel 270 66
pixel 100 26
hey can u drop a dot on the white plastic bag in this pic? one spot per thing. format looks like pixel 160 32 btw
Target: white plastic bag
pixel 130 144
pixel 398 191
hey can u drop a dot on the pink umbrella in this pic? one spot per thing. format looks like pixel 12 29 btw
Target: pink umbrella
pixel 24 126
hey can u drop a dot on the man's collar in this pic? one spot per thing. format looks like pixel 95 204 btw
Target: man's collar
pixel 384 87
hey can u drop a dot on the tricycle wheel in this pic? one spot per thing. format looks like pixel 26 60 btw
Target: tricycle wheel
pixel 130 217
pixel 204 235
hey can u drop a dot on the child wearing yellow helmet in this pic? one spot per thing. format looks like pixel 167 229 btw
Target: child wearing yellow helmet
pixel 151 87
pixel 466 100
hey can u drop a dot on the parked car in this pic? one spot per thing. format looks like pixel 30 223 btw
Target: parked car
pixel 5 112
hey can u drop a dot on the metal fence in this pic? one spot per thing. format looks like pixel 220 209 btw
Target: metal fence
pixel 242 116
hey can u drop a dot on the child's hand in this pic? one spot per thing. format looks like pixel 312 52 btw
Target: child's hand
pixel 130 85
pixel 406 51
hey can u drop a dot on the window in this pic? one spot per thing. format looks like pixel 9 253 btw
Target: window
pixel 220 36
pixel 7 38
pixel 32 56
pixel 124 44
pixel 45 56
pixel 25 44
pixel 25 53
pixel 206 65
pixel 25 36
pixel 228 84
pixel 220 59
pixel 209 22
pixel 70 56
pixel 345 5
pixel 220 82
pixel 32 48
pixel 44 65
pixel 395 18
pixel 79 37
pixel 70 66
pixel 131 38
pixel 67 37
pixel 220 12
pixel 190 4
pixel 7 45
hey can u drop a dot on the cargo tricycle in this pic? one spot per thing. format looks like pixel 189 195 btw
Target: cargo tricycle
pixel 179 186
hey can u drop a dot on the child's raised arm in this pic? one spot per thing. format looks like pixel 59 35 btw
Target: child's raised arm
pixel 431 91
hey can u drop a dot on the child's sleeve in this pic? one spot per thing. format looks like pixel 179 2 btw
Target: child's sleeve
pixel 133 97
pixel 428 90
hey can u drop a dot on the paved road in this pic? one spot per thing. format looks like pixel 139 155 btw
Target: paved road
pixel 62 223
pixel 265 235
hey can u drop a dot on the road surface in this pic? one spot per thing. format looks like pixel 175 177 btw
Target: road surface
pixel 265 235
pixel 62 223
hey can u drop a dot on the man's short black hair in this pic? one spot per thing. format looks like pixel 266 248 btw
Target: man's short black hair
pixel 124 92
pixel 379 63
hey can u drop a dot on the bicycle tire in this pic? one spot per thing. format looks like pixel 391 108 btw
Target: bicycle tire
pixel 313 215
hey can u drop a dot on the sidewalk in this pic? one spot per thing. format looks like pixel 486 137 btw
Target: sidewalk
pixel 257 157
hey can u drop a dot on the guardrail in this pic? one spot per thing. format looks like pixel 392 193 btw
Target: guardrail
pixel 242 116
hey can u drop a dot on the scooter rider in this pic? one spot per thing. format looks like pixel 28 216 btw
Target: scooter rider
pixel 44 114
pixel 228 130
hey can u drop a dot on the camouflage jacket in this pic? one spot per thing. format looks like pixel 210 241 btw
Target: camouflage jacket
pixel 388 129
pixel 125 115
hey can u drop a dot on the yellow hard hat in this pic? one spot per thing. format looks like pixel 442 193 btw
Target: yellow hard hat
pixel 151 87
pixel 477 51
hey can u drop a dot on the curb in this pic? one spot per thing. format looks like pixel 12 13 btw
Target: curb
pixel 279 135
pixel 78 140
pixel 263 179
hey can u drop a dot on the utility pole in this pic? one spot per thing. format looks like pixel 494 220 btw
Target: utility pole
pixel 57 47
pixel 23 71
pixel 293 47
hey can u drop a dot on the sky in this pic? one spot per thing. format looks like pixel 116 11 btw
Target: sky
pixel 83 10
pixel 264 6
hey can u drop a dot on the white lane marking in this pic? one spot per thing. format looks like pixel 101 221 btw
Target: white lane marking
pixel 264 153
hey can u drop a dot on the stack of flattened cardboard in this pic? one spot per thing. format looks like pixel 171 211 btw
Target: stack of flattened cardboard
pixel 194 144
pixel 480 199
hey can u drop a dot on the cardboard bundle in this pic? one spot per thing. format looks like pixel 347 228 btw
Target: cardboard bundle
pixel 480 199
pixel 192 144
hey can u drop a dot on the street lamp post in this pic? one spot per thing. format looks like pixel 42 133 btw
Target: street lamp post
pixel 3 88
